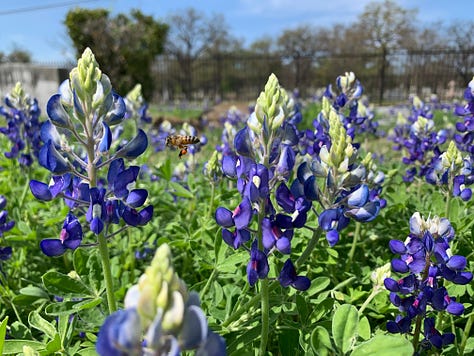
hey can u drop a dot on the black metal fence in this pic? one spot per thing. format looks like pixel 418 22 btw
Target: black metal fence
pixel 389 79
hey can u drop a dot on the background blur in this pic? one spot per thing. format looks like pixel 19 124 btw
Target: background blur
pixel 198 51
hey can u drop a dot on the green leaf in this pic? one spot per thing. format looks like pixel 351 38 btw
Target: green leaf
pixel 95 272
pixel 469 346
pixel 34 292
pixel 79 259
pixel 321 341
pixel 288 342
pixel 64 286
pixel 54 345
pixel 384 345
pixel 89 351
pixel 3 332
pixel 364 328
pixel 16 346
pixel 165 171
pixel 64 308
pixel 302 307
pixel 344 326
pixel 87 304
pixel 317 285
pixel 38 322
pixel 180 191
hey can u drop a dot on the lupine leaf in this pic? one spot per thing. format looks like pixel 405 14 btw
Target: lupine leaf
pixel 384 345
pixel 321 341
pixel 3 331
pixel 344 326
pixel 62 285
pixel 16 346
pixel 38 322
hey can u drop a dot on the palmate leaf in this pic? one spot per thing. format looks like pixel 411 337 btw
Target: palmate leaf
pixel 345 323
pixel 62 285
pixel 384 345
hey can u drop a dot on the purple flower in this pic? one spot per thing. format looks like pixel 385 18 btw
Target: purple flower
pixel 288 277
pixel 120 334
pixel 70 238
pixel 258 267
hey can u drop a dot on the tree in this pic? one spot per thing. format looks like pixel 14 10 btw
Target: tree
pixel 19 55
pixel 460 37
pixel 193 36
pixel 386 27
pixel 299 46
pixel 125 46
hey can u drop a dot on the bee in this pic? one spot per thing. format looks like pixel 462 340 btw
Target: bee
pixel 182 142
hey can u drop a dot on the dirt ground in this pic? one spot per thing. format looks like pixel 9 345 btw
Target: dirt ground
pixel 210 117
pixel 220 110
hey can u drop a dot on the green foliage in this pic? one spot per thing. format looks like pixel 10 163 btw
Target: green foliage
pixel 124 45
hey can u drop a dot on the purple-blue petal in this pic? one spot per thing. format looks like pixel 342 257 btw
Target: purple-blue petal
pixel 52 247
pixel 40 190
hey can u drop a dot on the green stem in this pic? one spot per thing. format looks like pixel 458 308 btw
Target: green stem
pixel 264 295
pixel 247 306
pixel 355 239
pixel 109 285
pixel 265 304
pixel 416 334
pixel 309 247
pixel 447 207
pixel 208 283
pixel 211 201
pixel 467 330
pixel 368 300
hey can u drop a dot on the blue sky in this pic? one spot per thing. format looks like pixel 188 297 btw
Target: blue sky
pixel 43 34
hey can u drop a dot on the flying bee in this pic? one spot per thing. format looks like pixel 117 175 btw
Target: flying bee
pixel 182 142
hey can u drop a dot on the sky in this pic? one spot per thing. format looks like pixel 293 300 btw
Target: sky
pixel 37 25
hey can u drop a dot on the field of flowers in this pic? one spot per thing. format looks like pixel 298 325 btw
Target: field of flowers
pixel 303 227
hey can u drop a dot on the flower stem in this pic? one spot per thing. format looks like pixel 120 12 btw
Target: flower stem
pixel 265 305
pixel 246 307
pixel 264 295
pixel 447 207
pixel 109 285
pixel 416 334
pixel 309 247
pixel 467 330
pixel 354 243
pixel 208 283
pixel 211 201
pixel 368 300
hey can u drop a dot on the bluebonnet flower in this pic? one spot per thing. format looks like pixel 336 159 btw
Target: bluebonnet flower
pixel 5 225
pixel 160 316
pixel 350 190
pixel 465 136
pixel 452 172
pixel 22 116
pixel 78 147
pixel 261 159
pixel 417 137
pixel 289 277
pixel 70 237
pixel 426 256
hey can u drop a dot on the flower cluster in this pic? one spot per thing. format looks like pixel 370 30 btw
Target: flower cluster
pixel 452 172
pixel 160 317
pixel 22 116
pixel 5 225
pixel 78 147
pixel 265 157
pixel 345 189
pixel 418 138
pixel 465 138
pixel 427 258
